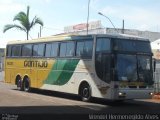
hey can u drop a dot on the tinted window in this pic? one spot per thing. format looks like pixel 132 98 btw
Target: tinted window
pixel 80 47
pixel 38 50
pixel 88 48
pixel 103 64
pixel 126 67
pixel 27 50
pixel 144 68
pixel 9 50
pixel 124 45
pixel 51 50
pixel 131 45
pixel 63 49
pixel 70 49
pixel 41 50
pixel 67 49
pixel 84 49
pixel 35 50
pixel 54 51
pixel 48 50
pixel 143 46
pixel 16 50
pixel 103 45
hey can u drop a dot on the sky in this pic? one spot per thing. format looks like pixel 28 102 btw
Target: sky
pixel 56 14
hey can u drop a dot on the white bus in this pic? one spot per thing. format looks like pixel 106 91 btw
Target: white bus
pixel 116 67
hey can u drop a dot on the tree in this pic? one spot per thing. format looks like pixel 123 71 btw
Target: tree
pixel 25 24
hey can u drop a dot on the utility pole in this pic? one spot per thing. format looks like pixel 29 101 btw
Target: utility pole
pixel 88 16
pixel 40 31
pixel 123 27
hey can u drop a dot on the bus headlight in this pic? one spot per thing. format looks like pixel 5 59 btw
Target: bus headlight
pixel 151 93
pixel 121 94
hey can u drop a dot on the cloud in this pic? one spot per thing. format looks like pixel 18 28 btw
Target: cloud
pixel 48 1
pixel 9 6
pixel 138 17
pixel 109 10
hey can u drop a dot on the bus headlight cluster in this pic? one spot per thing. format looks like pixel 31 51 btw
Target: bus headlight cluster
pixel 151 93
pixel 121 94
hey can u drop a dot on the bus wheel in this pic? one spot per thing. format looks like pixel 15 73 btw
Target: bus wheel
pixel 19 84
pixel 85 92
pixel 26 85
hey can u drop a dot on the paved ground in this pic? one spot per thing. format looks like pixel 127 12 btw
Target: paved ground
pixel 45 103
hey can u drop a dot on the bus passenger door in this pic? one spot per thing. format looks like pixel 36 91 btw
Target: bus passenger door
pixel 106 64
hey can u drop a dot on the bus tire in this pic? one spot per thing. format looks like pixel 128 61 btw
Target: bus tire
pixel 19 83
pixel 26 84
pixel 85 92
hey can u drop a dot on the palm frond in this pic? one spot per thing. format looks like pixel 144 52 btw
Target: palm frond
pixel 36 21
pixel 20 16
pixel 10 26
pixel 23 19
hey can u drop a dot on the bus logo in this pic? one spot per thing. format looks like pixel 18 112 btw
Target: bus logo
pixel 36 63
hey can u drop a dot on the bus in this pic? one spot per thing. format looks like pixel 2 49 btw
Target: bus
pixel 109 66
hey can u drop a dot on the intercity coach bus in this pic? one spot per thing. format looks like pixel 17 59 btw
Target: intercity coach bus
pixel 115 67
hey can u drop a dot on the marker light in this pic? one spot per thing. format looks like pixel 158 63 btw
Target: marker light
pixel 121 94
pixel 151 93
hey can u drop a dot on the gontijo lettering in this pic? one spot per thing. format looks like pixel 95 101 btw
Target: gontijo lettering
pixel 28 63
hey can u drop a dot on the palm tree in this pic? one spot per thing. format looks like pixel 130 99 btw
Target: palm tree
pixel 26 25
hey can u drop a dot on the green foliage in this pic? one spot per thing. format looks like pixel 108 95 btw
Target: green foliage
pixel 25 24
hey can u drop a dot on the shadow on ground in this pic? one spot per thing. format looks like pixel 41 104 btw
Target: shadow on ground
pixel 128 106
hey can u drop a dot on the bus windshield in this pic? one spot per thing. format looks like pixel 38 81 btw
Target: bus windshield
pixel 134 68
pixel 126 67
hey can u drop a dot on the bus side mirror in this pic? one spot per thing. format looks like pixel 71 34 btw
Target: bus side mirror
pixel 154 65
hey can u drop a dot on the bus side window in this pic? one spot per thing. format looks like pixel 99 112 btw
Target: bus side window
pixel 84 49
pixel 103 59
pixel 70 49
pixel 48 50
pixel 38 50
pixel 88 49
pixel 16 50
pixel 41 50
pixel 27 50
pixel 51 49
pixel 54 51
pixel 63 47
pixel 9 51
pixel 67 49
pixel 103 45
pixel 79 49
pixel 35 50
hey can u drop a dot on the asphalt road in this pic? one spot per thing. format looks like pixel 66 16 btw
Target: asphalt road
pixel 48 103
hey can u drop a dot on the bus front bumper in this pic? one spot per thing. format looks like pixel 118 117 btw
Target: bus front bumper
pixel 134 94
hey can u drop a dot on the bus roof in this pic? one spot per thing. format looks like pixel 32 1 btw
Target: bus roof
pixel 76 37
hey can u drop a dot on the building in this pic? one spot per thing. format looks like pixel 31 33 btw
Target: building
pixel 2 51
pixel 95 27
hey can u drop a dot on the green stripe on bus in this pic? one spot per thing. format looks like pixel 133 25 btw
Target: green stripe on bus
pixel 61 72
